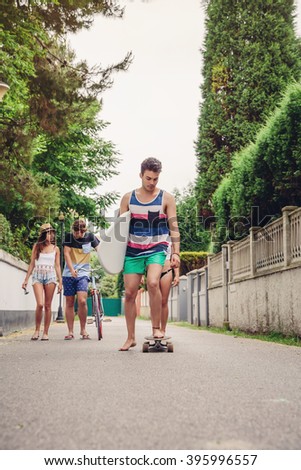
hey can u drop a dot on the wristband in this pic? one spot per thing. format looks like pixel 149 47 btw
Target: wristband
pixel 176 254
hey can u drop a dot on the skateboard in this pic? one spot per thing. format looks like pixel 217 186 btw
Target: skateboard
pixel 157 344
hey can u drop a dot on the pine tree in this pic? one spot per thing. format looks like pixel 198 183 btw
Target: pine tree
pixel 250 55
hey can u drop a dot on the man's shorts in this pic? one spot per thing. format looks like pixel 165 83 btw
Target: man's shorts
pixel 139 264
pixel 72 285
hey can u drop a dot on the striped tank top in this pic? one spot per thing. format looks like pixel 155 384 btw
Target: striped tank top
pixel 149 232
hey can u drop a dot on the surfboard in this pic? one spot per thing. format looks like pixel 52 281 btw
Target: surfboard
pixel 112 247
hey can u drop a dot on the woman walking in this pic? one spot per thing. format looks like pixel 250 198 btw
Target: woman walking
pixel 169 277
pixel 45 269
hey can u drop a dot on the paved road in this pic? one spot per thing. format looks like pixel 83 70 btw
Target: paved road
pixel 213 392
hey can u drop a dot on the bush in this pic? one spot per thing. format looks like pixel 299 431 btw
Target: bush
pixel 6 236
pixel 266 175
pixel 191 260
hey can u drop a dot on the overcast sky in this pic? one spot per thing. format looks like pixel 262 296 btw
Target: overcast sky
pixel 152 108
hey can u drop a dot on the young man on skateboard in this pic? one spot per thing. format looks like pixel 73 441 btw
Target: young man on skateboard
pixel 153 225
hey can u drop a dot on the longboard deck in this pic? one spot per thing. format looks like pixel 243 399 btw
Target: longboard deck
pixel 152 338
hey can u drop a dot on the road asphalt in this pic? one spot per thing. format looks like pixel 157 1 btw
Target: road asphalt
pixel 214 391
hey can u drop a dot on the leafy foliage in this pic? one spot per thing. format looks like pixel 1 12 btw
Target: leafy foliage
pixel 266 175
pixel 12 243
pixel 105 282
pixel 108 286
pixel 120 285
pixel 191 260
pixel 191 226
pixel 53 156
pixel 6 236
pixel 250 55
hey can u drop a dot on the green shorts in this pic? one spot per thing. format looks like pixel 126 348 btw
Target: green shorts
pixel 138 265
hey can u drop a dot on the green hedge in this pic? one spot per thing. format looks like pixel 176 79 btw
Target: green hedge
pixel 266 175
pixel 191 260
pixel 13 242
pixel 6 236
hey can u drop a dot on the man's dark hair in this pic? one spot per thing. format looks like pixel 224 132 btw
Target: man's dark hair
pixel 79 224
pixel 151 164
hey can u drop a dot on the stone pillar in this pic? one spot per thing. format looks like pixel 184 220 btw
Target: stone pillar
pixel 230 260
pixel 225 266
pixel 253 230
pixel 287 233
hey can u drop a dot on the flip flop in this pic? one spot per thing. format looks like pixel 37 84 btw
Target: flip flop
pixel 68 337
pixel 86 337
pixel 34 338
pixel 45 339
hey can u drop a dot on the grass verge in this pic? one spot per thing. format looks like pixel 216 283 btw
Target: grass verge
pixel 272 337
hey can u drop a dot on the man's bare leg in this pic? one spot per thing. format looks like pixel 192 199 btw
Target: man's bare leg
pixel 131 285
pixel 82 311
pixel 69 312
pixel 155 297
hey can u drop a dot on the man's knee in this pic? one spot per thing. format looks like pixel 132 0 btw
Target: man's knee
pixel 153 284
pixel 82 301
pixel 130 295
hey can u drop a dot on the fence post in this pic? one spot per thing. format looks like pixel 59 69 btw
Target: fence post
pixel 225 266
pixel 230 260
pixel 207 297
pixel 198 285
pixel 253 230
pixel 287 234
pixel 189 298
pixel 209 274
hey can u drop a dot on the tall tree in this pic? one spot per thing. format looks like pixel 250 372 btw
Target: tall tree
pixel 250 55
pixel 52 153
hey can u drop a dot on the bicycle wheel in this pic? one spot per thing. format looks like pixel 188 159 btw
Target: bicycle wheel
pixel 101 314
pixel 97 314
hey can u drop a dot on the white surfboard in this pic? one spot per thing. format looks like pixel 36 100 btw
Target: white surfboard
pixel 113 243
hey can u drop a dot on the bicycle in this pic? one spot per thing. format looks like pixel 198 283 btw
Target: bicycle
pixel 97 307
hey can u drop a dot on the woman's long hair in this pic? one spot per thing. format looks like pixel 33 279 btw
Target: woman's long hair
pixel 41 243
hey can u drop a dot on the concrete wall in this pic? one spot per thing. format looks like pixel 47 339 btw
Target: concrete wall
pixel 17 310
pixel 267 303
pixel 177 301
pixel 216 307
pixel 254 283
pixel 203 301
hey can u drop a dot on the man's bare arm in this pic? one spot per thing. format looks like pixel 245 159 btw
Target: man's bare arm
pixel 171 212
pixel 124 203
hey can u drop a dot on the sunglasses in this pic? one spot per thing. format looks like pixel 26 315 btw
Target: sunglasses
pixel 81 229
pixel 25 291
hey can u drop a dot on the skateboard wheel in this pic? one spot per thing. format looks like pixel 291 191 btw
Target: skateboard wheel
pixel 145 347
pixel 169 347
